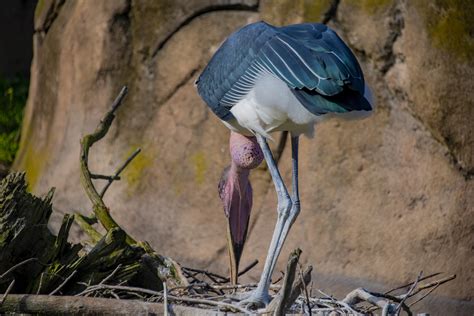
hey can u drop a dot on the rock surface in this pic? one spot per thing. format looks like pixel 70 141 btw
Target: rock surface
pixel 381 198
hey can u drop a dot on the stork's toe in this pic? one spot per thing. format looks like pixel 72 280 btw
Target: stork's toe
pixel 255 300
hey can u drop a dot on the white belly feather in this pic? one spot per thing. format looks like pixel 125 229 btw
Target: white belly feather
pixel 270 106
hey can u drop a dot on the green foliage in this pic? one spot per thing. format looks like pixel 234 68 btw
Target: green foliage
pixel 13 94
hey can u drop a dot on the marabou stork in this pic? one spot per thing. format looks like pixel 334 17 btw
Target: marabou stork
pixel 265 79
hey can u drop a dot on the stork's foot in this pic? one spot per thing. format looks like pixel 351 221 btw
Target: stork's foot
pixel 256 299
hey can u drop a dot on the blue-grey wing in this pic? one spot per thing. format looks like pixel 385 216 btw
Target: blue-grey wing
pixel 321 70
pixel 230 74
pixel 311 59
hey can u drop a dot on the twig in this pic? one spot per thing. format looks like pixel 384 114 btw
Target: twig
pixel 9 288
pixel 170 297
pixel 279 278
pixel 409 284
pixel 111 274
pixel 431 284
pixel 63 283
pixel 361 294
pixel 419 289
pixel 119 171
pixel 16 266
pixel 282 302
pixel 100 209
pixel 165 299
pixel 247 269
pixel 207 273
pixel 93 234
pixel 304 283
pixel 425 295
pixel 241 286
pixel 40 284
pixel 104 177
pixel 407 295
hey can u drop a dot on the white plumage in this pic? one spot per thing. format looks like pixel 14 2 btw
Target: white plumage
pixel 270 106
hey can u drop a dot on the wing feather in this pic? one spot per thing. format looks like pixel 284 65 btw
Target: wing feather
pixel 311 59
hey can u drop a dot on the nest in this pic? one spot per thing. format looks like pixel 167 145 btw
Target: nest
pixel 112 273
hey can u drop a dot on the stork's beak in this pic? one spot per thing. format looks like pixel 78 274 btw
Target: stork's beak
pixel 236 194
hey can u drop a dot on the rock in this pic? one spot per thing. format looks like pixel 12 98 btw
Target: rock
pixel 381 198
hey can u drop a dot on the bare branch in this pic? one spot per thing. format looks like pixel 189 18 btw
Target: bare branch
pixel 412 288
pixel 104 177
pixel 282 301
pixel 9 288
pixel 107 278
pixel 100 209
pixel 16 266
pixel 63 283
pixel 409 284
pixel 119 171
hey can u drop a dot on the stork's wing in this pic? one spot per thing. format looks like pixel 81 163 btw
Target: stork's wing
pixel 230 74
pixel 321 70
pixel 311 59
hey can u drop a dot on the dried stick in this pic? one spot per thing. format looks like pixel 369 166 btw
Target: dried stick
pixel 16 266
pixel 207 273
pixel 303 282
pixel 409 284
pixel 241 286
pixel 160 294
pixel 425 295
pixel 9 288
pixel 104 177
pixel 40 284
pixel 282 302
pixel 407 295
pixel 93 234
pixel 70 305
pixel 119 171
pixel 165 299
pixel 419 289
pixel 100 209
pixel 358 295
pixel 111 274
pixel 63 283
pixel 245 270
pixel 434 283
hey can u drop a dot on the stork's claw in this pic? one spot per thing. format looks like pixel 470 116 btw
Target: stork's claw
pixel 255 300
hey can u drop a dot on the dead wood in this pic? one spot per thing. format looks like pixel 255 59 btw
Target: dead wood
pixel 71 305
pixel 40 262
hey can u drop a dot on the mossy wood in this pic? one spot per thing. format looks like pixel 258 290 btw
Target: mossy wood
pixel 47 264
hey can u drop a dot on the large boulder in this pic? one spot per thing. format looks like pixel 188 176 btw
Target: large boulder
pixel 382 198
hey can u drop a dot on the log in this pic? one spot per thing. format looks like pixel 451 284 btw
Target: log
pixel 77 305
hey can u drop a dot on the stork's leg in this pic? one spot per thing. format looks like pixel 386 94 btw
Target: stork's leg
pixel 287 212
pixel 295 197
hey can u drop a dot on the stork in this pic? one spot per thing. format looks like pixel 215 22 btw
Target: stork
pixel 265 79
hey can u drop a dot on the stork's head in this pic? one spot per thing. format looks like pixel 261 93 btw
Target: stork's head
pixel 235 192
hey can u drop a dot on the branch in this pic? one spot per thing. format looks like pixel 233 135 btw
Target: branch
pixel 63 283
pixel 104 177
pixel 16 266
pixel 282 301
pixel 119 171
pixel 83 222
pixel 160 294
pixel 70 305
pixel 301 284
pixel 100 209
pixel 407 295
pixel 10 287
